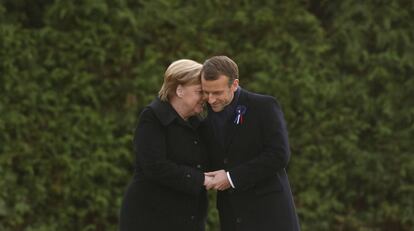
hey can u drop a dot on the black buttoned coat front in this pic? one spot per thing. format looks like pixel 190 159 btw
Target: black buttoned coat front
pixel 255 153
pixel 167 191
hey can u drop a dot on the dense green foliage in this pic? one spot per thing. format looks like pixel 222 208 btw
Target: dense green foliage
pixel 75 74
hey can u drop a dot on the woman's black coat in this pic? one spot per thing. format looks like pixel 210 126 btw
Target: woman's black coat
pixel 167 191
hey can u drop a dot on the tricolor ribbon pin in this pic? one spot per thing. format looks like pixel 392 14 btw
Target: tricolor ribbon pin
pixel 240 111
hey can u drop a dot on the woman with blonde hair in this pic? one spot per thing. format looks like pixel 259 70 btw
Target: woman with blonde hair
pixel 167 191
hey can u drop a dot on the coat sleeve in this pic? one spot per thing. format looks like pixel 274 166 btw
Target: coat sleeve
pixel 275 153
pixel 150 149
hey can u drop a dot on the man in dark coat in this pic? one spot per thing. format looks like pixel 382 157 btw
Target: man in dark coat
pixel 249 150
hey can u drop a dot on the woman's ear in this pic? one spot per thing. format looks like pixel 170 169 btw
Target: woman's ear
pixel 179 91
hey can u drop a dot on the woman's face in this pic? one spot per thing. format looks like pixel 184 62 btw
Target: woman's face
pixel 193 98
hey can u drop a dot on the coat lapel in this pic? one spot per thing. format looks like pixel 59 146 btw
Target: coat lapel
pixel 234 128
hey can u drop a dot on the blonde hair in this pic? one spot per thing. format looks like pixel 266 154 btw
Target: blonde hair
pixel 182 71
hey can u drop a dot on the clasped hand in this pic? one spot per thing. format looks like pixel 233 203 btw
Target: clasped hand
pixel 216 180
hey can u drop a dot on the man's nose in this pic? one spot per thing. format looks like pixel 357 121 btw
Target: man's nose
pixel 211 99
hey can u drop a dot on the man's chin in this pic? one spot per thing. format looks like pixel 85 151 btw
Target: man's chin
pixel 216 109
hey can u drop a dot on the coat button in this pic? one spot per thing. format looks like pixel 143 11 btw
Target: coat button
pixel 188 175
pixel 238 220
pixel 225 160
pixel 195 142
pixel 199 166
pixel 192 217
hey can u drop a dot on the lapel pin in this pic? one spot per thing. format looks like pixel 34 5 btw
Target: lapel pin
pixel 240 111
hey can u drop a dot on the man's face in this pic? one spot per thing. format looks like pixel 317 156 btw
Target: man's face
pixel 218 93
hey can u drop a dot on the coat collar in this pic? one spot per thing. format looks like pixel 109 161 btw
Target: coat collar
pixel 243 98
pixel 167 114
pixel 164 111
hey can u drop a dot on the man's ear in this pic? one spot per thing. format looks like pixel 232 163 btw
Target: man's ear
pixel 235 84
pixel 179 91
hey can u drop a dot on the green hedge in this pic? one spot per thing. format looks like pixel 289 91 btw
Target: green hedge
pixel 75 74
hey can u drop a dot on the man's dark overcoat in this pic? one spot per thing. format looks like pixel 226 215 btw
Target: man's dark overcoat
pixel 256 153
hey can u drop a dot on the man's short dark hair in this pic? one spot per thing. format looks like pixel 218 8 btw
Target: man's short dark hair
pixel 220 65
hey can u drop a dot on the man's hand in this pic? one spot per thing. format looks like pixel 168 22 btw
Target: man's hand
pixel 219 181
pixel 208 182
